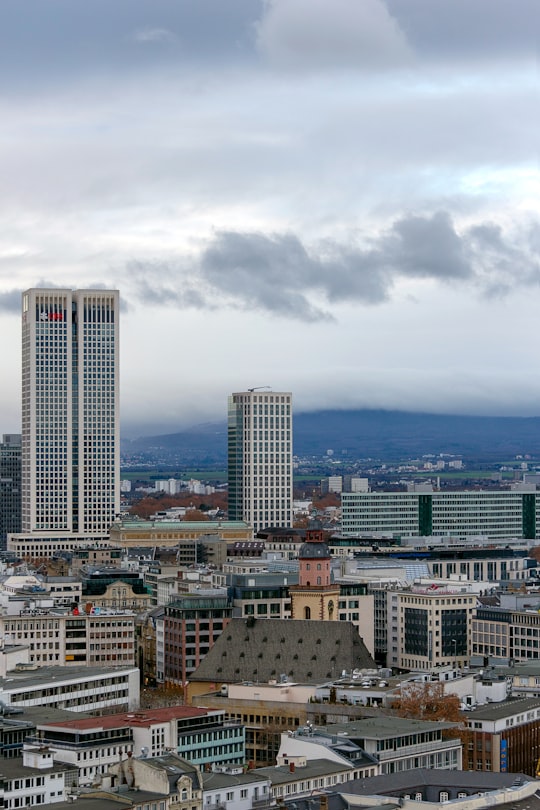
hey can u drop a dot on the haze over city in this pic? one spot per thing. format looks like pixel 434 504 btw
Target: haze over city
pixel 334 198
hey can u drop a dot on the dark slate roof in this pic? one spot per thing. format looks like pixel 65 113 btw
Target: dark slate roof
pixel 428 782
pixel 304 651
pixel 422 778
pixel 313 551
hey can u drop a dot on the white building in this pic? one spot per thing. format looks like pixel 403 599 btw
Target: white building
pixel 233 789
pixel 70 413
pixel 79 689
pixel 260 458
pixel 35 779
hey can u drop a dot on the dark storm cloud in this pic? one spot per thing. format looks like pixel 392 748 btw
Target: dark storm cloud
pixel 154 283
pixel 10 301
pixel 277 273
pixel 427 247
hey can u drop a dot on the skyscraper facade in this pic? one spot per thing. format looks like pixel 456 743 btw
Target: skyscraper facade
pixel 70 412
pixel 10 485
pixel 260 458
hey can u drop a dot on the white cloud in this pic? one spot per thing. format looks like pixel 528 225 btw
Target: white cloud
pixel 154 35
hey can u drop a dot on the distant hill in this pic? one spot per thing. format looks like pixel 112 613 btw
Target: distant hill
pixel 364 433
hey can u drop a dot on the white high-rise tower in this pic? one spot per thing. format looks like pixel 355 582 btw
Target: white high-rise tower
pixel 70 413
pixel 260 458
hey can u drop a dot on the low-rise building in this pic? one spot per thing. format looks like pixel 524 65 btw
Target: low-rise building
pixel 392 743
pixel 35 779
pixel 504 737
pixel 93 744
pixel 171 780
pixel 235 789
pixel 75 688
pixel 301 651
pixel 297 777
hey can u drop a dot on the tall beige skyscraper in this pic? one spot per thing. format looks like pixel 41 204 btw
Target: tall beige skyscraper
pixel 260 458
pixel 70 413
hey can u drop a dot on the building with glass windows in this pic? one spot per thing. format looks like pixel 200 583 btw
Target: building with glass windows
pixel 495 514
pixel 70 413
pixel 260 458
pixel 10 485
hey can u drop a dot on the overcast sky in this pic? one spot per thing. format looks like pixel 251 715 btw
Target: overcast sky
pixel 334 197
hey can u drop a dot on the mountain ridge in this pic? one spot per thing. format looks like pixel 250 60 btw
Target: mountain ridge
pixel 367 433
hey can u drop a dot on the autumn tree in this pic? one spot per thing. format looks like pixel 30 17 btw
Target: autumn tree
pixel 429 701
pixel 195 514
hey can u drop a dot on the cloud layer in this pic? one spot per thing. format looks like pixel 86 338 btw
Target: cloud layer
pixel 295 190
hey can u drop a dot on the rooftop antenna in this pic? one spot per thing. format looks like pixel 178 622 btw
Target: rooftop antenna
pixel 259 388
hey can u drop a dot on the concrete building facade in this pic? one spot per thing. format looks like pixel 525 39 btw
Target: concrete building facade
pixel 503 513
pixel 260 458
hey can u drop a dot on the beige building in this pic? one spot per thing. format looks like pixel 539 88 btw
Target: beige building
pixel 433 626
pixel 105 638
pixel 149 533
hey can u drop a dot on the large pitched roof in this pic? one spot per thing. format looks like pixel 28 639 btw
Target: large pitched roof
pixel 262 650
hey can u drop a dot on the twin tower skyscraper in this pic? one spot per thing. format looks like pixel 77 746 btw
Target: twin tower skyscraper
pixel 71 429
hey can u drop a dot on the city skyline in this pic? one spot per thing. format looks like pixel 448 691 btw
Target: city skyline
pixel 337 199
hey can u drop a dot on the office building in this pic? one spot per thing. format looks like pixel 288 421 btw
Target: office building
pixel 70 414
pixel 504 737
pixel 432 626
pixel 260 458
pixel 78 689
pixel 73 638
pixel 10 486
pixel 494 514
pixel 191 625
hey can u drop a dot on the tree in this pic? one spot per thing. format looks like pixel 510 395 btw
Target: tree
pixel 428 701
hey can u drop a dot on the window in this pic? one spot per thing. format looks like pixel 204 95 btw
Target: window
pixel 443 796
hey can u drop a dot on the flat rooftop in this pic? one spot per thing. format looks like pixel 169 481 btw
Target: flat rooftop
pixel 506 708
pixel 144 718
pixel 383 727
pixel 27 678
